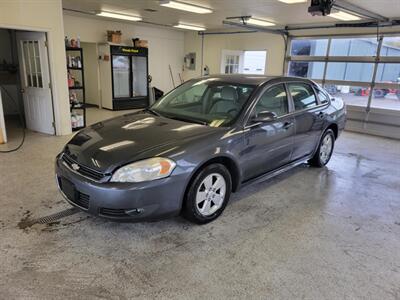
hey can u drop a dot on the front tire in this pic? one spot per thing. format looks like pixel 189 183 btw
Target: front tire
pixel 325 149
pixel 208 194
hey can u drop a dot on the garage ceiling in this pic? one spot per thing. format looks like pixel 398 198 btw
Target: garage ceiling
pixel 273 10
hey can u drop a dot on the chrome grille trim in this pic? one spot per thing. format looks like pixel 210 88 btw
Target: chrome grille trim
pixel 83 170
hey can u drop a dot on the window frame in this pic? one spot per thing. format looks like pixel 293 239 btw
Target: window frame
pixel 253 104
pixel 266 89
pixel 317 100
pixel 376 60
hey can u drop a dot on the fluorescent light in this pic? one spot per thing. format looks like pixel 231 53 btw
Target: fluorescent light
pixel 190 27
pixel 118 16
pixel 344 16
pixel 186 7
pixel 292 1
pixel 259 22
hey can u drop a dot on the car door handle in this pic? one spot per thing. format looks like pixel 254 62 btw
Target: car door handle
pixel 287 125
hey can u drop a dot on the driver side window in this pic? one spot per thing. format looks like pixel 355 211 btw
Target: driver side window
pixel 273 100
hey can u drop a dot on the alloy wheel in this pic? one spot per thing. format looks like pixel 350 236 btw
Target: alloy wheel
pixel 210 194
pixel 326 149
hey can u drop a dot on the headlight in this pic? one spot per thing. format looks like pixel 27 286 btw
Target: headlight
pixel 144 170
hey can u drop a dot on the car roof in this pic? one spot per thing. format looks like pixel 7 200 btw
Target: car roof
pixel 252 79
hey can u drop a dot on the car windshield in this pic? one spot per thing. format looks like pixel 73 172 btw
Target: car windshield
pixel 207 101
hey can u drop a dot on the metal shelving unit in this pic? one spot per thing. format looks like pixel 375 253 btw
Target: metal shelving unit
pixel 82 102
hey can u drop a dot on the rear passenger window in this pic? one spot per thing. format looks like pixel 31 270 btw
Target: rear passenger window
pixel 273 100
pixel 303 95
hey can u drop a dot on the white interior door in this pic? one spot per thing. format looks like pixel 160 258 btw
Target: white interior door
pixel 35 81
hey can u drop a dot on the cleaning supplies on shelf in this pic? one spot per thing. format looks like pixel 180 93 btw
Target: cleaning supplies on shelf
pixel 74 61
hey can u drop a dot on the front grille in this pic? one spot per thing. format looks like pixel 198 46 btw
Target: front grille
pixel 111 212
pixel 85 171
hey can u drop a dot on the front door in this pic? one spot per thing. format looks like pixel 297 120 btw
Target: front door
pixel 268 145
pixel 35 81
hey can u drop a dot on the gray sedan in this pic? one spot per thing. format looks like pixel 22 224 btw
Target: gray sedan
pixel 196 145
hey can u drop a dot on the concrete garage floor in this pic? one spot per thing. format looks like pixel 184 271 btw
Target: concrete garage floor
pixel 311 233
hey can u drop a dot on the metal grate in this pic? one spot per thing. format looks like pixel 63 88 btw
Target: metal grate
pixel 48 219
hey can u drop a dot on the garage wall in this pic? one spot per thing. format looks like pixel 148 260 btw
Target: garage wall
pixel 165 45
pixel 90 64
pixel 44 15
pixel 214 44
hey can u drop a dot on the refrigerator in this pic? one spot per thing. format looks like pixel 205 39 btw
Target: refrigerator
pixel 123 76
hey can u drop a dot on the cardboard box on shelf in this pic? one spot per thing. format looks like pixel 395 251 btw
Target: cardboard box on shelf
pixel 140 43
pixel 114 36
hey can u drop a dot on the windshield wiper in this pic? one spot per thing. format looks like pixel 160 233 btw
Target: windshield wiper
pixel 153 112
pixel 187 120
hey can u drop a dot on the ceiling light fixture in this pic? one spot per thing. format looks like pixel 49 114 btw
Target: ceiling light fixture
pixel 185 6
pixel 258 22
pixel 190 27
pixel 118 16
pixel 344 16
pixel 293 1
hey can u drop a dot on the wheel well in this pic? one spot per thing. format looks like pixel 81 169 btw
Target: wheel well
pixel 228 163
pixel 335 129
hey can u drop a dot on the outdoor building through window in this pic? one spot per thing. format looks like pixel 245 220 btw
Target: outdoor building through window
pixel 364 71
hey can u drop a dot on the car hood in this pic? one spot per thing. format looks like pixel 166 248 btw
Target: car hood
pixel 107 145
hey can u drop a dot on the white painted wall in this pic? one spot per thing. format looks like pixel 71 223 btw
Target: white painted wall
pixel 166 46
pixel 91 68
pixel 44 15
pixel 214 44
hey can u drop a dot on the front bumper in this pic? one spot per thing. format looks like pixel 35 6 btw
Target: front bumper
pixel 122 201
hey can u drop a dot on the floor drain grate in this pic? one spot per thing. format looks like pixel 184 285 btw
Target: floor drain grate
pixel 48 219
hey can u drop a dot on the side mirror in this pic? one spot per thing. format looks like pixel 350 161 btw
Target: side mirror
pixel 265 116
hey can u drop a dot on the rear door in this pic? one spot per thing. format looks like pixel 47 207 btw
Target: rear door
pixel 268 145
pixel 308 118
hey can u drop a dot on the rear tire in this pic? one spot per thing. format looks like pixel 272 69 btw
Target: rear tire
pixel 324 151
pixel 208 194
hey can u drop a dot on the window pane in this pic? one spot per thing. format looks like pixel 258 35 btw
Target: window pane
pixel 314 47
pixel 27 64
pixel 273 100
pixel 354 47
pixel 389 73
pixel 350 71
pixel 351 95
pixel 139 78
pixel 191 96
pixel 386 98
pixel 323 97
pixel 303 95
pixel 391 46
pixel 121 76
pixel 254 62
pixel 314 70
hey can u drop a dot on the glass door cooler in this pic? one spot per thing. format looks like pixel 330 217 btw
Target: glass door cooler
pixel 124 72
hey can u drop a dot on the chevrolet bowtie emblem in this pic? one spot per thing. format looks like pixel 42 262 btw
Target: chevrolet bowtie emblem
pixel 75 167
